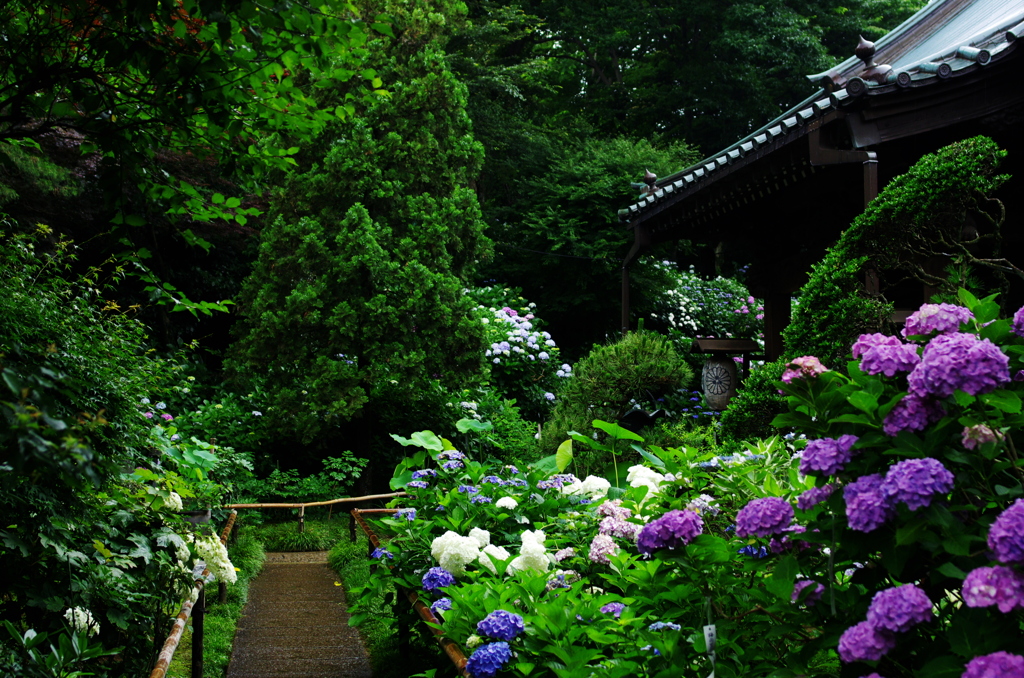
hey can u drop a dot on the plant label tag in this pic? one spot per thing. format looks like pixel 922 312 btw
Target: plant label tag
pixel 710 639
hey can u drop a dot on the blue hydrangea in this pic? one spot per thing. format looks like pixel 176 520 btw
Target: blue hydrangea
pixel 658 626
pixel 437 578
pixel 754 551
pixel 441 605
pixel 418 484
pixel 488 660
pixel 501 625
pixel 481 499
pixel 491 480
pixel 424 473
pixel 453 465
pixel 613 608
pixel 468 489
pixel 381 552
pixel 407 513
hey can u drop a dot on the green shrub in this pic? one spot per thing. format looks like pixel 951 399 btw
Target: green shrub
pixel 608 381
pixel 756 403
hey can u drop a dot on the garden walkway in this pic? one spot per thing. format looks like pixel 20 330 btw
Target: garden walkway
pixel 295 624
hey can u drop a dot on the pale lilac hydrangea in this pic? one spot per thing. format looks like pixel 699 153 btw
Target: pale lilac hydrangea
pixel 964 362
pixel 916 481
pixel 999 585
pixel 501 625
pixel 673 529
pixel 453 465
pixel 864 642
pixel 661 626
pixel 827 456
pixel 424 473
pixel 804 367
pixel 816 591
pixel 912 413
pixel 614 608
pixel 900 608
pixel 451 454
pixel 562 554
pixel 615 527
pixel 867 506
pixel 418 484
pixel 1006 536
pixel 764 517
pixel 977 435
pixel 601 547
pixel 814 496
pixel 614 509
pixel 488 659
pixel 995 665
pixel 936 318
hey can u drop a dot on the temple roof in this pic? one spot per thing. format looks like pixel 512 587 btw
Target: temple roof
pixel 944 42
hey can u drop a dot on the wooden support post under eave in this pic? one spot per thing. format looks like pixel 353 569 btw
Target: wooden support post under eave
pixel 777 313
pixel 641 240
pixel 625 300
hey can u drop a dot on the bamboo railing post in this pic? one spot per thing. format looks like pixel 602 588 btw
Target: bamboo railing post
pixel 302 519
pixel 198 615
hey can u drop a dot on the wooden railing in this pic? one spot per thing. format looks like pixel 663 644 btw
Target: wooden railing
pixel 330 502
pixel 197 611
pixel 450 648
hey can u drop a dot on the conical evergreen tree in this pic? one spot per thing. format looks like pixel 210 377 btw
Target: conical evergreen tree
pixel 360 278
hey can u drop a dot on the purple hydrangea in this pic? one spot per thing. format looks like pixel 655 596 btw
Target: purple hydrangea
pixel 381 552
pixel 453 465
pixel 995 665
pixel 492 480
pixel 827 456
pixel 804 367
pixel 864 642
pixel 998 585
pixel 480 499
pixel 866 342
pixel 441 605
pixel 673 529
pixel 501 625
pixel 964 362
pixel 764 517
pixel 900 608
pixel 1006 536
pixel 437 578
pixel 488 659
pixel 912 413
pixel 814 496
pixel 468 489
pixel 614 608
pixel 418 484
pixel 1018 322
pixel 816 591
pixel 932 318
pixel 451 454
pixel 916 481
pixel 867 506
pixel 890 360
pixel 407 513
pixel 786 542
pixel 974 436
pixel 424 473
pixel 601 547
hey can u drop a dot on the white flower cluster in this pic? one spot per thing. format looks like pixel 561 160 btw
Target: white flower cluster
pixel 173 502
pixel 507 503
pixel 454 552
pixel 641 476
pixel 498 552
pixel 593 487
pixel 215 555
pixel 81 620
pixel 532 554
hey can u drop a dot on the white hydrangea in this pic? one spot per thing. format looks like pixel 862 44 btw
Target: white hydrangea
pixel 453 552
pixel 532 554
pixel 483 537
pixel 491 550
pixel 593 487
pixel 507 503
pixel 173 502
pixel 641 476
pixel 81 620
pixel 215 555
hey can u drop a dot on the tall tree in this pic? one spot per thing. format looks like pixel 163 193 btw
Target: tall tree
pixel 360 279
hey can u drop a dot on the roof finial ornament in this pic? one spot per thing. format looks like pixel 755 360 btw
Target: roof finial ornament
pixel 866 52
pixel 647 187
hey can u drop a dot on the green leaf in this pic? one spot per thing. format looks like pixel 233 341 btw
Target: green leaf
pixel 547 465
pixel 783 578
pixel 424 439
pixel 467 425
pixel 563 457
pixel 1007 401
pixel 863 401
pixel 616 431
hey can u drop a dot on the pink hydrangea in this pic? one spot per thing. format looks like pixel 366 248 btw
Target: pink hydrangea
pixel 764 517
pixel 975 436
pixel 936 318
pixel 602 547
pixel 998 585
pixel 964 362
pixel 615 527
pixel 1006 536
pixel 804 367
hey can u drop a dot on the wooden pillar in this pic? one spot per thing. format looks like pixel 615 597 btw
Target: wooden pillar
pixel 625 300
pixel 776 317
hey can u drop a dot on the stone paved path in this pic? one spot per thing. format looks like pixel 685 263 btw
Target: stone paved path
pixel 295 624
